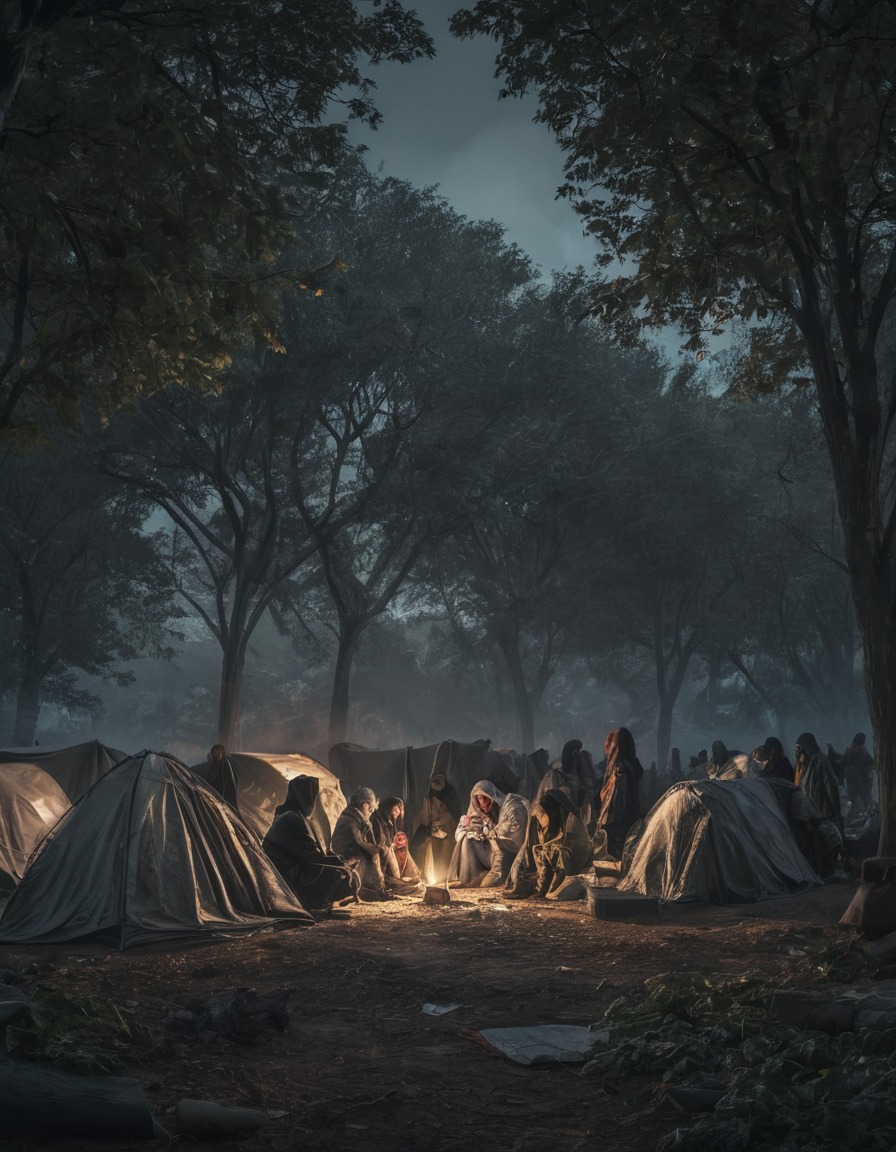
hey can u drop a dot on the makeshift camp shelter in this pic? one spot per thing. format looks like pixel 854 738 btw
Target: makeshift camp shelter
pixel 262 778
pixel 723 841
pixel 149 854
pixel 31 804
pixel 405 772
pixel 75 769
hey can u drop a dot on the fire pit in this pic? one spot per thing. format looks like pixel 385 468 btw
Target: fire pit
pixel 435 894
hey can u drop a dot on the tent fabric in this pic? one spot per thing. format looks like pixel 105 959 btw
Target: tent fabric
pixel 262 780
pixel 31 805
pixel 723 841
pixel 74 769
pixel 149 854
pixel 405 772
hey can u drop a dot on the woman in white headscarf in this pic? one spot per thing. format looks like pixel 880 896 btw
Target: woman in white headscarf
pixel 488 837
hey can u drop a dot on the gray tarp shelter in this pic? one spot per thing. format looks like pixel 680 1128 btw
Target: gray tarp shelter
pixel 149 854
pixel 74 769
pixel 262 779
pixel 723 841
pixel 31 805
pixel 405 772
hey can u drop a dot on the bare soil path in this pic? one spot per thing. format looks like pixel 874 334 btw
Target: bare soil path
pixel 360 1067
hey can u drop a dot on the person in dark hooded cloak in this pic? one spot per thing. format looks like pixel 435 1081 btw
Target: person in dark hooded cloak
pixel 562 848
pixel 816 778
pixel 725 763
pixel 433 842
pixel 857 771
pixel 296 846
pixel 219 772
pixel 488 837
pixel 773 764
pixel 620 805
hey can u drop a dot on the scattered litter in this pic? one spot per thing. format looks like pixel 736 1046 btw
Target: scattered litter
pixel 205 1118
pixel 240 1016
pixel 439 1009
pixel 542 1043
pixel 497 907
pixel 563 968
pixel 796 952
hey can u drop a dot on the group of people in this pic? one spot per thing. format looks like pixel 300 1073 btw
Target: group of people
pixel 581 812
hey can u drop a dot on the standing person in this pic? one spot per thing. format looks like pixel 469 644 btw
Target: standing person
pixel 221 775
pixel 488 837
pixel 433 842
pixel 816 778
pixel 355 844
pixel 857 765
pixel 620 806
pixel 385 824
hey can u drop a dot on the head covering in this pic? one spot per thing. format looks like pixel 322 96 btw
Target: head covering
pixel 485 788
pixel 568 756
pixel 301 793
pixel 762 754
pixel 859 738
pixel 808 743
pixel 362 796
pixel 719 752
pixel 389 802
pixel 774 745
pixel 620 749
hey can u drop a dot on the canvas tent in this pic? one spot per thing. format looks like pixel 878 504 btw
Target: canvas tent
pixel 74 769
pixel 405 772
pixel 150 853
pixel 723 841
pixel 262 778
pixel 31 804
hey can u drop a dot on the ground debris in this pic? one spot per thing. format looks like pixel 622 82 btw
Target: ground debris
pixel 241 1016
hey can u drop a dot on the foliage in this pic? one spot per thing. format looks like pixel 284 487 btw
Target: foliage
pixel 147 158
pixel 81 1034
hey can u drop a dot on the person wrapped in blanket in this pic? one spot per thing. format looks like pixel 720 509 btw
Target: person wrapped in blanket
pixel 562 848
pixel 487 837
pixel 355 844
pixel 433 842
pixel 399 870
pixel 620 804
pixel 296 845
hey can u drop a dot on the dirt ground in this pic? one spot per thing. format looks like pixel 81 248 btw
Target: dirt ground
pixel 361 1067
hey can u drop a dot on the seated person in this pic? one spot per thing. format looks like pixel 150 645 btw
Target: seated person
pixel 562 848
pixel 385 821
pixel 297 848
pixel 488 837
pixel 433 842
pixel 355 844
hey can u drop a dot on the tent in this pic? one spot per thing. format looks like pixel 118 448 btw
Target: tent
pixel 74 769
pixel 724 841
pixel 405 772
pixel 31 804
pixel 262 778
pixel 150 853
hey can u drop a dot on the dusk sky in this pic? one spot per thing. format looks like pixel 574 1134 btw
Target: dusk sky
pixel 444 124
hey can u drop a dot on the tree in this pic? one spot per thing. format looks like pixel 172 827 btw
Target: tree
pixel 744 156
pixel 148 156
pixel 83 586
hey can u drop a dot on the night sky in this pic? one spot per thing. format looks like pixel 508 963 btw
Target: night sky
pixel 444 124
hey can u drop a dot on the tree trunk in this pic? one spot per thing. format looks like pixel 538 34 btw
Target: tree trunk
pixel 27 709
pixel 664 731
pixel 525 711
pixel 229 701
pixel 349 635
pixel 880 680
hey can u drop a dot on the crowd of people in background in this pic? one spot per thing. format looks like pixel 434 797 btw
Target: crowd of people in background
pixel 581 812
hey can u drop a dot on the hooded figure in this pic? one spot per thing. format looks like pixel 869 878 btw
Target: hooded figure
pixel 857 765
pixel 620 805
pixel 354 842
pixel 433 841
pixel 297 848
pixel 488 837
pixel 563 847
pixel 725 764
pixel 774 765
pixel 816 778
pixel 221 775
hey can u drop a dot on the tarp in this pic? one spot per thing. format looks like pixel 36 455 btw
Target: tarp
pixel 262 778
pixel 723 841
pixel 74 769
pixel 150 853
pixel 405 772
pixel 31 804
